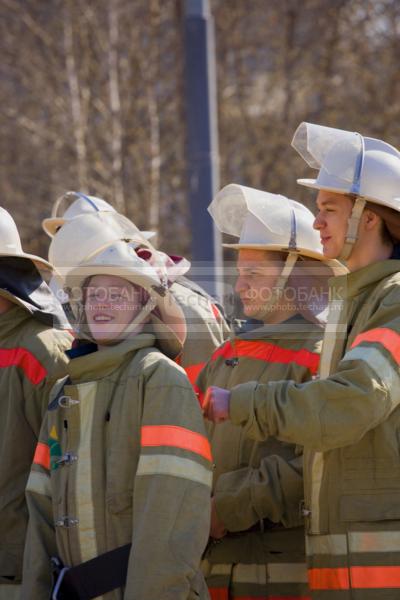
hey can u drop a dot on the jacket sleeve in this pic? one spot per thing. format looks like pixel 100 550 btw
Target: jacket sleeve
pixel 52 358
pixel 171 495
pixel 40 539
pixel 272 491
pixel 333 412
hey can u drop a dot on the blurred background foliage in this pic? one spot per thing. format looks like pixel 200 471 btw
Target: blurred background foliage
pixel 92 99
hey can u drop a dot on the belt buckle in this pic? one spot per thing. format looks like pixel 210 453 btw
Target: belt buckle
pixel 56 589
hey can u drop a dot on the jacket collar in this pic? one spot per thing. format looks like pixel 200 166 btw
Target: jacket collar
pixel 357 282
pixel 12 320
pixel 101 363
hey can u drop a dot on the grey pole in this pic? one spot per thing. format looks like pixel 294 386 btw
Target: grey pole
pixel 202 142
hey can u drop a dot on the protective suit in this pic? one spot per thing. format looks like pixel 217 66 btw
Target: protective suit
pixel 258 485
pixel 348 420
pixel 31 358
pixel 123 458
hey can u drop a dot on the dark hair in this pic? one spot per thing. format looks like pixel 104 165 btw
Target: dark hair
pixel 385 235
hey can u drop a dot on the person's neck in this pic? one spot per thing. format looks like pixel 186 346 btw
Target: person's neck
pixel 279 316
pixel 367 254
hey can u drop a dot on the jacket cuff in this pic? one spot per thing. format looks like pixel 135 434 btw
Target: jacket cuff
pixel 241 402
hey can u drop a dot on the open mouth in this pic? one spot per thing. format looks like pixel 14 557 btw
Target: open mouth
pixel 102 319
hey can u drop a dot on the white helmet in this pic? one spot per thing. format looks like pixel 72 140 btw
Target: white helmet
pixel 265 221
pixel 121 259
pixel 10 242
pixel 81 204
pixel 350 163
pixel 82 236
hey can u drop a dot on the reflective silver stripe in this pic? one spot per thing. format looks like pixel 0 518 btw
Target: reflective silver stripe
pixel 221 569
pixel 39 483
pixel 287 572
pixel 83 491
pixel 357 541
pixel 335 544
pixel 330 341
pixel 176 466
pixel 332 329
pixel 374 541
pixel 317 470
pixel 381 365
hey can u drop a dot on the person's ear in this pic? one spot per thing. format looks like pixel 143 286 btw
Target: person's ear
pixel 371 220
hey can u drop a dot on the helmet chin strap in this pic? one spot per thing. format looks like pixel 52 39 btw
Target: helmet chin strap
pixel 352 228
pixel 290 261
pixel 280 285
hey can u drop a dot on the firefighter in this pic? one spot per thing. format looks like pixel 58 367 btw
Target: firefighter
pixel 207 326
pixel 31 353
pixel 257 538
pixel 349 419
pixel 120 484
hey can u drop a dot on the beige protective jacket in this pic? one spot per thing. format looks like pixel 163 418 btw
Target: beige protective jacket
pixel 349 423
pixel 258 486
pixel 206 327
pixel 31 357
pixel 139 472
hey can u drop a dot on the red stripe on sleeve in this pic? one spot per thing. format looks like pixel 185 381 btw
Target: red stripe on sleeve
pixel 269 353
pixel 177 437
pixel 22 358
pixel 42 455
pixel 388 338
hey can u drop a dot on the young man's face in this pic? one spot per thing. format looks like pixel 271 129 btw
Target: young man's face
pixel 111 303
pixel 258 272
pixel 331 221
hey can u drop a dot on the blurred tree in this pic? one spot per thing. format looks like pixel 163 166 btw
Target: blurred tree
pixel 92 98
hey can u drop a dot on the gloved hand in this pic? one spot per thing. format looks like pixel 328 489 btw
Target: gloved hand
pixel 216 404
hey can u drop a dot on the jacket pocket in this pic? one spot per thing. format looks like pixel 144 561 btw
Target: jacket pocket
pixel 370 507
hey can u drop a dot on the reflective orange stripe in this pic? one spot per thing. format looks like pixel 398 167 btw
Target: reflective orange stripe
pixel 388 338
pixel 269 353
pixel 178 437
pixel 360 577
pixel 329 579
pixel 193 371
pixel 258 597
pixel 25 360
pixel 42 455
pixel 375 577
pixel 218 593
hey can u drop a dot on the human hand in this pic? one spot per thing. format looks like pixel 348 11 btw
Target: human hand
pixel 217 529
pixel 216 404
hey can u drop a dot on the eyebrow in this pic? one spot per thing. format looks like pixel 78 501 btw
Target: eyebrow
pixel 326 202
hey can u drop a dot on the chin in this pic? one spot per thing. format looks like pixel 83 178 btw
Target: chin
pixel 100 334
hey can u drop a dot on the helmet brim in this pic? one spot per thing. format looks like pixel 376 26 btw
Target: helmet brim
pixel 40 263
pixel 312 183
pixel 277 248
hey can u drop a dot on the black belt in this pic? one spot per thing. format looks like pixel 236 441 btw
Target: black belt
pixel 92 578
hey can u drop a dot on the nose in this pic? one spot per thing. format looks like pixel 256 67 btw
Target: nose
pixel 318 222
pixel 240 284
